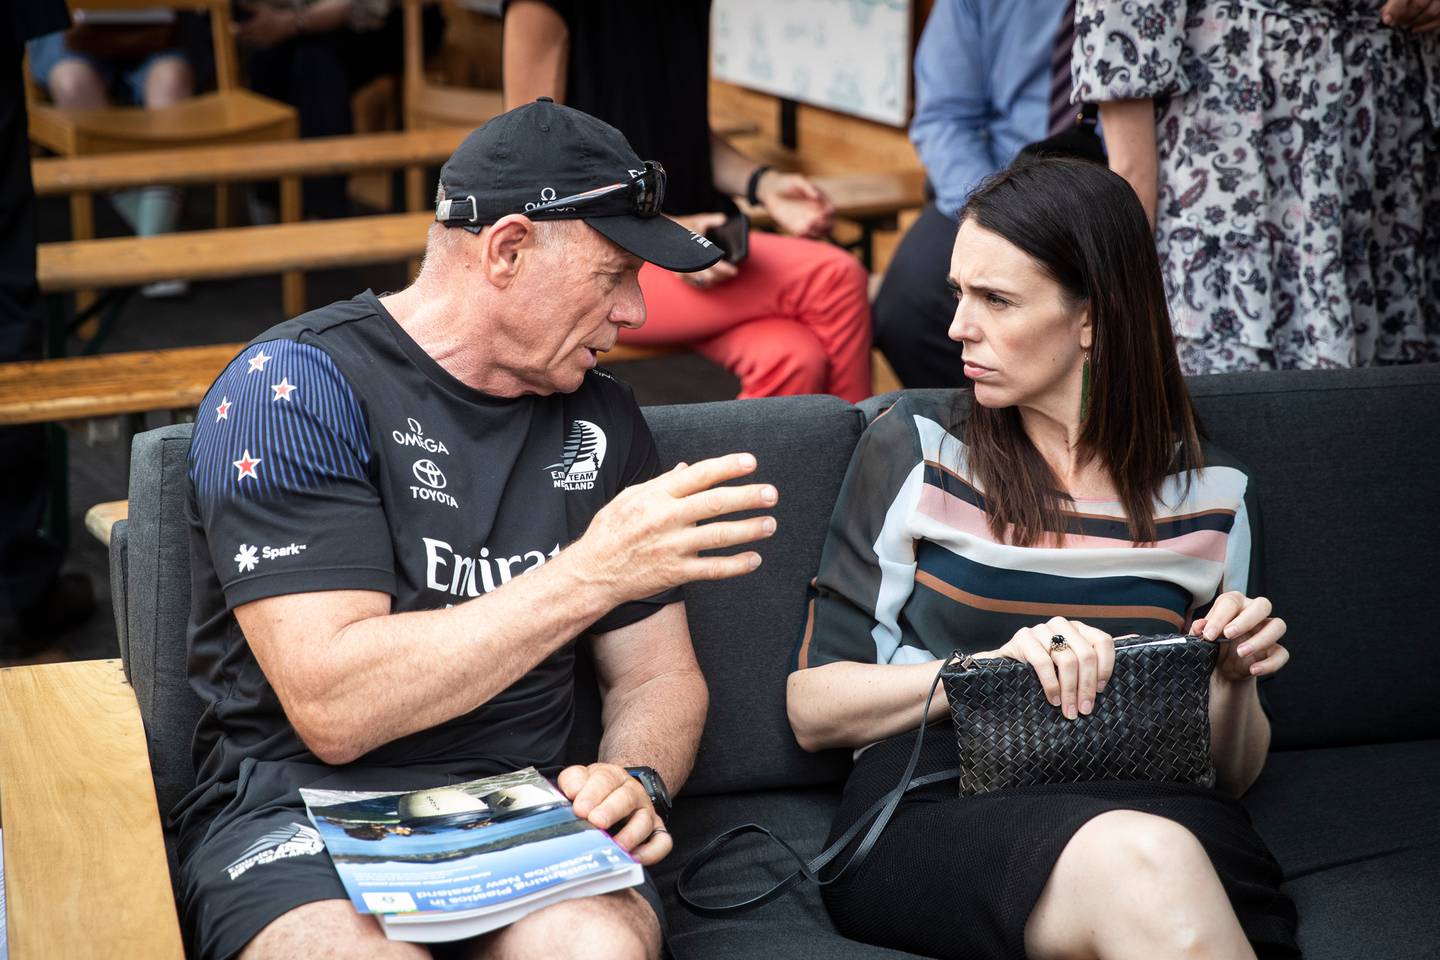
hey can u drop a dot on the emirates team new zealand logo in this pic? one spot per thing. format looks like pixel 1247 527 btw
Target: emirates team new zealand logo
pixel 584 453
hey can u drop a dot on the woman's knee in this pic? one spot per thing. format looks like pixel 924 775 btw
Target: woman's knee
pixel 1139 846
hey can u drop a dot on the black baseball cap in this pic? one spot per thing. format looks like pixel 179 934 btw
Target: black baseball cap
pixel 526 159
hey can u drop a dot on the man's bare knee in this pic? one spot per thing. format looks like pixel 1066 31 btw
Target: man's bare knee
pixel 326 929
pixel 621 925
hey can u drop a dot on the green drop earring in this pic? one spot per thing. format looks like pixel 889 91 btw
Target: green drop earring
pixel 1085 388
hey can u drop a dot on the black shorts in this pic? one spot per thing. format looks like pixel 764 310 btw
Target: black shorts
pixel 260 857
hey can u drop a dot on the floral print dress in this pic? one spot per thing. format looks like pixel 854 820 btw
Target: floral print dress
pixel 1299 174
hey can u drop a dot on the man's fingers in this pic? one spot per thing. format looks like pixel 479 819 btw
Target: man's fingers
pixel 600 782
pixel 655 849
pixel 571 779
pixel 625 800
pixel 718 501
pixel 636 829
pixel 726 533
pixel 707 473
pixel 720 568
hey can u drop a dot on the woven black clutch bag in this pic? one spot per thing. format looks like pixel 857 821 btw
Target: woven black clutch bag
pixel 1152 722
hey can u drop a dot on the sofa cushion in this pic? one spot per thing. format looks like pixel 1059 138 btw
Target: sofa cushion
pixel 745 629
pixel 1356 831
pixel 157 555
pixel 795 925
pixel 1348 472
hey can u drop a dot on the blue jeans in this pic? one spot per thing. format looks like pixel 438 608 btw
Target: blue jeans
pixel 48 51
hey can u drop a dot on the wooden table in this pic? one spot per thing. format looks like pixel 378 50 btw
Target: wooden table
pixel 85 867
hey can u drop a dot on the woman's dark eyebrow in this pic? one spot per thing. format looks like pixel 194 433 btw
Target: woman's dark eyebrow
pixel 981 289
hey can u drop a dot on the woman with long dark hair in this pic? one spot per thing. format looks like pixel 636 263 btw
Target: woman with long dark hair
pixel 1066 493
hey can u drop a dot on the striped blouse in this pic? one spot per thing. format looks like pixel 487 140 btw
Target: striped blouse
pixel 910 570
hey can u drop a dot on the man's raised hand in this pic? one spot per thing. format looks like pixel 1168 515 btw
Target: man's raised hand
pixel 649 538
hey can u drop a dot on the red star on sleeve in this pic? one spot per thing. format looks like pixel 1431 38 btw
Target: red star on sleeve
pixel 283 389
pixel 246 465
pixel 222 412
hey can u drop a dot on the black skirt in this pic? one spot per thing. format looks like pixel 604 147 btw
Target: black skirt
pixel 956 876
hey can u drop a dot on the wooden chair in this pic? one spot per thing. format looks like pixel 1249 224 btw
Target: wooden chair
pixel 228 115
pixel 430 104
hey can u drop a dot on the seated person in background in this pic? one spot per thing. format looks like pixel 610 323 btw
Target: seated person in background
pixel 403 511
pixel 982 91
pixel 135 63
pixel 1070 478
pixel 314 55
pixel 795 316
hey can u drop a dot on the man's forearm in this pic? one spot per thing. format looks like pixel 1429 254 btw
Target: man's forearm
pixel 657 725
pixel 384 677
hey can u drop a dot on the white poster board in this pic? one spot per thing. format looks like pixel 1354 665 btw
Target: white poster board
pixel 852 56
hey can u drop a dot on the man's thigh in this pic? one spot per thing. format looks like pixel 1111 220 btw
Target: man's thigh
pixel 248 873
pixel 327 929
pixel 622 925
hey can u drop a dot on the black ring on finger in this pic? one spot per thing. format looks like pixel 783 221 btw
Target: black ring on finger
pixel 1058 643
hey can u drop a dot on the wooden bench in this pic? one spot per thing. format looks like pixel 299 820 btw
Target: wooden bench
pixel 286 162
pixel 85 866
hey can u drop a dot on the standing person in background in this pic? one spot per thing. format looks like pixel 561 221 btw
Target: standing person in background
pixel 36 602
pixel 154 72
pixel 1287 155
pixel 314 55
pixel 982 91
pixel 794 317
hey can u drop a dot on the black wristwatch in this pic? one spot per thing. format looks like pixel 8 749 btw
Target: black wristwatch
pixel 654 788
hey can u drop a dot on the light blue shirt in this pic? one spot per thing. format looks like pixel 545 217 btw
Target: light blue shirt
pixel 982 89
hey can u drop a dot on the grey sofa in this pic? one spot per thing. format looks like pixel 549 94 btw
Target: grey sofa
pixel 1348 466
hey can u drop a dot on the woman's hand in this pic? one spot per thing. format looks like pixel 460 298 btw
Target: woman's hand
pixel 798 206
pixel 1072 673
pixel 713 276
pixel 1255 650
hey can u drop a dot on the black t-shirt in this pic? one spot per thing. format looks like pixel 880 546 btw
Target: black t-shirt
pixel 643 66
pixel 333 453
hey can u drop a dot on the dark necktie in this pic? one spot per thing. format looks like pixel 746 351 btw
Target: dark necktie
pixel 1062 112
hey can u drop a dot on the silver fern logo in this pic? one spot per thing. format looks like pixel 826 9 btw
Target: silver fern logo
pixel 581 459
pixel 291 840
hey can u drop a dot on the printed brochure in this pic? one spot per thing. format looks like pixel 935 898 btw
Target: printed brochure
pixel 457 861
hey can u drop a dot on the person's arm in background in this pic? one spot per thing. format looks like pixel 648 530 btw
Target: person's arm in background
pixel 951 104
pixel 274 23
pixel 536 52
pixel 1129 127
pixel 1110 45
pixel 799 207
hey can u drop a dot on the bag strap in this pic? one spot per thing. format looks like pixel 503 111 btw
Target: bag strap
pixel 882 810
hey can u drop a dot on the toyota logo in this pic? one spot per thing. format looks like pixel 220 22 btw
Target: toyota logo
pixel 427 473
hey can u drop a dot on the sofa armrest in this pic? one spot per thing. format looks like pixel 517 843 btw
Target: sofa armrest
pixel 84 851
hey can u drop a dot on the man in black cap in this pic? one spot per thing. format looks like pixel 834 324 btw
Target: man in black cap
pixel 369 482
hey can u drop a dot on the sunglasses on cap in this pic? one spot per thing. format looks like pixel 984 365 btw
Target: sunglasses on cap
pixel 646 189
pixel 640 196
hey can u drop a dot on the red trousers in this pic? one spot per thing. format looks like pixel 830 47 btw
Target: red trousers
pixel 796 319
